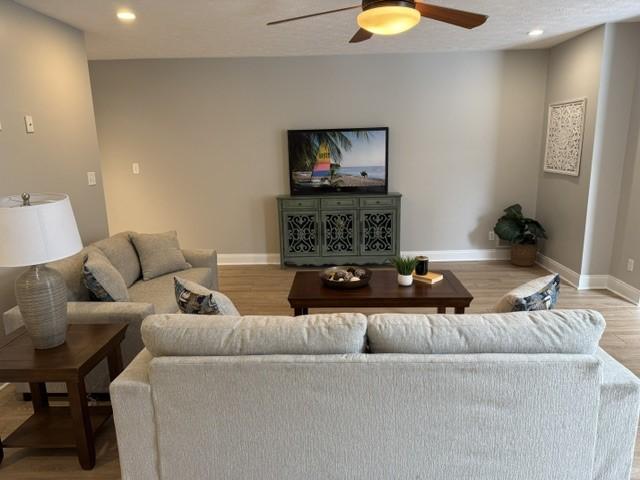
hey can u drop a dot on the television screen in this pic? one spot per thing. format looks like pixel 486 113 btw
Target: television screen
pixel 338 161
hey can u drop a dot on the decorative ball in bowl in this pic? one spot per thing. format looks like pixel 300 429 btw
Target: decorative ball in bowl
pixel 346 277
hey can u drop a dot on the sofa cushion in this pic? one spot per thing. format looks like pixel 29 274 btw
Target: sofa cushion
pixel 71 270
pixel 120 252
pixel 159 253
pixel 193 335
pixel 553 331
pixel 160 291
pixel 194 298
pixel 538 294
pixel 103 281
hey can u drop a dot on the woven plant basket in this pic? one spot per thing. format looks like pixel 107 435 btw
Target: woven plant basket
pixel 523 255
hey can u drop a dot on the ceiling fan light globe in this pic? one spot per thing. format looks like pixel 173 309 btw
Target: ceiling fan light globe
pixel 389 20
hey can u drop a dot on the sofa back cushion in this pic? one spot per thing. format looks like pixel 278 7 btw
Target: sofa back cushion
pixel 120 252
pixel 71 270
pixel 554 331
pixel 159 253
pixel 319 417
pixel 198 335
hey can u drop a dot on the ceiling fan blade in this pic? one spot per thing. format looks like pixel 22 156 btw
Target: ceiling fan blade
pixel 450 15
pixel 314 15
pixel 360 36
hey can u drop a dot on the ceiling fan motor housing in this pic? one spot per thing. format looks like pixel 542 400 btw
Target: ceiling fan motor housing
pixel 369 4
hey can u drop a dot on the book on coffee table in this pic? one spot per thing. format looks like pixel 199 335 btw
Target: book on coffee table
pixel 430 278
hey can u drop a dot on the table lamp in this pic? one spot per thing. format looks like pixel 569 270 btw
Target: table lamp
pixel 36 229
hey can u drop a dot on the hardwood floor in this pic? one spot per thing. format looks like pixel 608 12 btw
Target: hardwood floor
pixel 263 290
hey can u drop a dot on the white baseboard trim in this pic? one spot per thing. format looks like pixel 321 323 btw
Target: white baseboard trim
pixel 248 259
pixel 475 255
pixel 591 282
pixel 623 289
pixel 434 255
pixel 568 275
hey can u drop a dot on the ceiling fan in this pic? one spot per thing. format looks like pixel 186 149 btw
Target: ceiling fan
pixel 390 17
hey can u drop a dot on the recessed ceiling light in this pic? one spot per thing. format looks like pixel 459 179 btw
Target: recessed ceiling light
pixel 126 15
pixel 536 32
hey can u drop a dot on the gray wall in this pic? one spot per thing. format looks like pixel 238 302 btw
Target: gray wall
pixel 43 72
pixel 573 72
pixel 618 81
pixel 627 239
pixel 209 134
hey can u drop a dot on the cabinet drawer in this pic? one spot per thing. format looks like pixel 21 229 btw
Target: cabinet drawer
pixel 300 203
pixel 378 202
pixel 339 202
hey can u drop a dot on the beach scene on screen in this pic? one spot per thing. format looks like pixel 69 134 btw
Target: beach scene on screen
pixel 338 158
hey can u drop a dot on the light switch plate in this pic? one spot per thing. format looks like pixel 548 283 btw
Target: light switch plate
pixel 28 123
pixel 135 167
pixel 630 264
pixel 91 178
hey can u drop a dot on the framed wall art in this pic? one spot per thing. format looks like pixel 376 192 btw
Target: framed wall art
pixel 565 132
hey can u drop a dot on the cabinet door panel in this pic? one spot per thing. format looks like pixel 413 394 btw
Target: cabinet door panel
pixel 378 232
pixel 301 233
pixel 339 232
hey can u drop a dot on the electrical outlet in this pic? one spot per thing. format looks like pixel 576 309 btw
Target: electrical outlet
pixel 91 178
pixel 492 236
pixel 135 167
pixel 28 123
pixel 630 264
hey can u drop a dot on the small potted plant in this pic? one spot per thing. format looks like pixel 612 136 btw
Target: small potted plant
pixel 523 234
pixel 405 267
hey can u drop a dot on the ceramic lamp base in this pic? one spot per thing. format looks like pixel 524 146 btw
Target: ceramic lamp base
pixel 42 299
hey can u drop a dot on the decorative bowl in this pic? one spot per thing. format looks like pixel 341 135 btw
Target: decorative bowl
pixel 343 277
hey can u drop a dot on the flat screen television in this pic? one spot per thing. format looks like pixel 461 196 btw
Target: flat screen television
pixel 348 160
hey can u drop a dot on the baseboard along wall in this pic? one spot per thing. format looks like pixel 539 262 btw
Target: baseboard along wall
pixel 591 282
pixel 434 255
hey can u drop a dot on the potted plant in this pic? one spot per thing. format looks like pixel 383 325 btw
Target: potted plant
pixel 405 267
pixel 523 234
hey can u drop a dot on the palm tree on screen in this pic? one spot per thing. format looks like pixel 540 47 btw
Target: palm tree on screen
pixel 303 148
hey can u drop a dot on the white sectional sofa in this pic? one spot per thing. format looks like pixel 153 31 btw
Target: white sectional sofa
pixel 146 297
pixel 519 396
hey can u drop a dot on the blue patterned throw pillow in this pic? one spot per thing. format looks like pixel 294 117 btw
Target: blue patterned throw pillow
pixel 544 299
pixel 193 298
pixel 97 292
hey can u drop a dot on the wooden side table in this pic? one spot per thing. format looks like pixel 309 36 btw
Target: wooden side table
pixel 62 427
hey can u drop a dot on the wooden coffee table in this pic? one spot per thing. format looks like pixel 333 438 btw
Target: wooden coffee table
pixel 383 291
pixel 62 427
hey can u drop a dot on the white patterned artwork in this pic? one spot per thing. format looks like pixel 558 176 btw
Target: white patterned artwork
pixel 565 129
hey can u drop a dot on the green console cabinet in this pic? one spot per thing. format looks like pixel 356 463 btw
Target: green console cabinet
pixel 339 230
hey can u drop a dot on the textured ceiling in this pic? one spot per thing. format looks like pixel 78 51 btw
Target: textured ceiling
pixel 236 28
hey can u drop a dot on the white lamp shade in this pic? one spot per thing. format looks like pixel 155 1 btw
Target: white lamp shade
pixel 38 233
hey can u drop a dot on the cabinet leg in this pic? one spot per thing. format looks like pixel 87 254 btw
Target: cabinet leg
pixel 442 309
pixel 459 310
pixel 1 451
pixel 300 311
pixel 82 429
